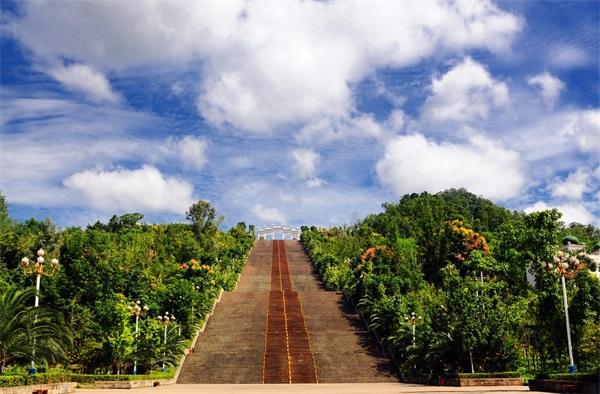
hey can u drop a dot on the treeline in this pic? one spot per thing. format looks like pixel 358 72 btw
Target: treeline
pixel 454 267
pixel 86 319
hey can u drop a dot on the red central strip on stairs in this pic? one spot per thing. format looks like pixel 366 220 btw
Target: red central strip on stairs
pixel 287 357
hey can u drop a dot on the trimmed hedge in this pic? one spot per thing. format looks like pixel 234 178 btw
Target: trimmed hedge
pixel 39 378
pixel 104 378
pixel 12 380
pixel 583 377
pixel 480 375
pixel 62 377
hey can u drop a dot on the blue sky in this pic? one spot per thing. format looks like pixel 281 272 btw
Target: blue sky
pixel 296 112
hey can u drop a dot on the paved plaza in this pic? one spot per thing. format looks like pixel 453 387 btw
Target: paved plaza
pixel 321 388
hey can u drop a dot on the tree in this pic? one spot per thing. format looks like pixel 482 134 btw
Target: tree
pixel 204 221
pixel 29 333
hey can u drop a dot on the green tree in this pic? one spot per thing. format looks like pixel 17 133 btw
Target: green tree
pixel 203 218
pixel 28 333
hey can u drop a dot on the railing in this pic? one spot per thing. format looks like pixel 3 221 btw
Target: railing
pixel 277 232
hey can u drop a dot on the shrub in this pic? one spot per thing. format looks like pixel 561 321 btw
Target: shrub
pixel 510 374
pixel 94 378
pixel 12 380
pixel 583 377
pixel 49 377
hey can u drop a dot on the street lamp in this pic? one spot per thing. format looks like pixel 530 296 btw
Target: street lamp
pixel 412 319
pixel 39 270
pixel 165 320
pixel 195 288
pixel 137 310
pixel 565 264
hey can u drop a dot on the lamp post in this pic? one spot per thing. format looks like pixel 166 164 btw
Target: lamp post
pixel 138 311
pixel 195 288
pixel 412 319
pixel 39 270
pixel 165 320
pixel 565 264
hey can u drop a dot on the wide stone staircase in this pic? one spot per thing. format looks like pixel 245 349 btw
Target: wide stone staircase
pixel 282 326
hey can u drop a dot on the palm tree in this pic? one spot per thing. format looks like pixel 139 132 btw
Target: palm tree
pixel 28 333
pixel 172 350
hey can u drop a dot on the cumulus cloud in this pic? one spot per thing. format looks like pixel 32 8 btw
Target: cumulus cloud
pixel 326 206
pixel 550 87
pixel 306 161
pixel 305 165
pixel 571 212
pixel 413 164
pixel 361 126
pixel 84 79
pixel 192 151
pixel 265 65
pixel 574 186
pixel 266 214
pixel 562 138
pixel 584 127
pixel 467 92
pixel 145 189
pixel 567 56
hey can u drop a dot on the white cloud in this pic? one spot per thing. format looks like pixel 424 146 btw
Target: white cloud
pixel 561 138
pixel 177 88
pixel 571 212
pixel 330 205
pixel 268 214
pixel 550 87
pixel 361 126
pixel 413 164
pixel 584 127
pixel 467 92
pixel 314 183
pixel 58 138
pixel 84 79
pixel 144 189
pixel 265 65
pixel 305 165
pixel 567 56
pixel 306 161
pixel 574 186
pixel 192 151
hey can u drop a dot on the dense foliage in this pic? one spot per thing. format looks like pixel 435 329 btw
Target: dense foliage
pixel 176 268
pixel 454 267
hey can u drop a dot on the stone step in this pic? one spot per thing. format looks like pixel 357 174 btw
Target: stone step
pixel 319 332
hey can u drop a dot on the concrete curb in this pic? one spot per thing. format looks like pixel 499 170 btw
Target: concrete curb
pixel 50 388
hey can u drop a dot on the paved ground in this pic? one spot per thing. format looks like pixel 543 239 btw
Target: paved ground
pixel 321 388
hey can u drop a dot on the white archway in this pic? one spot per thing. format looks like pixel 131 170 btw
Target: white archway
pixel 277 232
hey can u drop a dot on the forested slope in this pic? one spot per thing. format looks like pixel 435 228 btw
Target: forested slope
pixel 458 263
pixel 105 268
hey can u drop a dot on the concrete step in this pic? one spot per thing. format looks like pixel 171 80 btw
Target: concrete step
pixel 319 332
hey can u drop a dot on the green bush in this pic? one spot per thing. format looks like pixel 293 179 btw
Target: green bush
pixel 103 378
pixel 62 377
pixel 49 377
pixel 583 377
pixel 39 378
pixel 510 374
pixel 12 380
